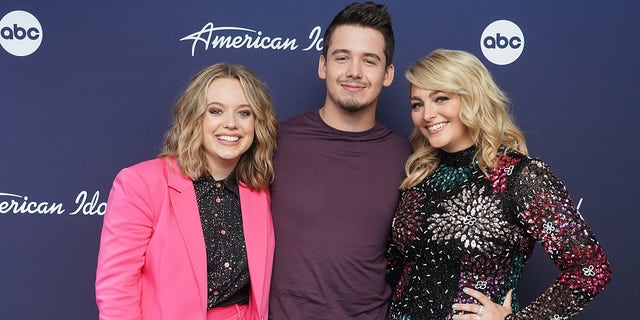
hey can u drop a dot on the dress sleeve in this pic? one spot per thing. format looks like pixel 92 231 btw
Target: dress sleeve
pixel 126 231
pixel 403 228
pixel 393 254
pixel 545 208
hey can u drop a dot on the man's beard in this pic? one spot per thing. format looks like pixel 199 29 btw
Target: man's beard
pixel 351 105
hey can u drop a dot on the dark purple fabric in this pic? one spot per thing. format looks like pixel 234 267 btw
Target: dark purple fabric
pixel 333 200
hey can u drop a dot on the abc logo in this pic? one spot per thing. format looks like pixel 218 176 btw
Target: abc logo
pixel 502 42
pixel 20 33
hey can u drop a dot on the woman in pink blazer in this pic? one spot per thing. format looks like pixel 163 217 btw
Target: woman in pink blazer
pixel 189 235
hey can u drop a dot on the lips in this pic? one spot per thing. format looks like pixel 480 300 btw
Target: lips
pixel 353 85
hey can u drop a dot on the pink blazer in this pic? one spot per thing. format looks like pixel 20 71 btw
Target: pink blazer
pixel 152 260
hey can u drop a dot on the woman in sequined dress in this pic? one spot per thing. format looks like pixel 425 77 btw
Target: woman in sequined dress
pixel 474 204
pixel 188 235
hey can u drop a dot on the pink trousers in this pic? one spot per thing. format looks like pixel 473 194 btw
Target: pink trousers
pixel 232 312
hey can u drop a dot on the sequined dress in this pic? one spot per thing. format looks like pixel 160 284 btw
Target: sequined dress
pixel 459 228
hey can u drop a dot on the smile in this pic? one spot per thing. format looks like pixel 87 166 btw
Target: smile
pixel 353 86
pixel 228 138
pixel 437 126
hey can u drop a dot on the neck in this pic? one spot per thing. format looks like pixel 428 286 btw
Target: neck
pixel 343 120
pixel 221 170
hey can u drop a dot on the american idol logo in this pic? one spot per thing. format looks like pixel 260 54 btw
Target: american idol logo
pixel 84 204
pixel 229 37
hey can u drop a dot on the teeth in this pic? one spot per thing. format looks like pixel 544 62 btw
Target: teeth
pixel 228 138
pixel 437 126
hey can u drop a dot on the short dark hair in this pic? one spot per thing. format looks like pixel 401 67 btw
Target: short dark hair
pixel 365 14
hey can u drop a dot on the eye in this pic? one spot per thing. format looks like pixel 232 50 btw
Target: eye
pixel 341 58
pixel 416 105
pixel 245 113
pixel 215 111
pixel 441 99
pixel 370 62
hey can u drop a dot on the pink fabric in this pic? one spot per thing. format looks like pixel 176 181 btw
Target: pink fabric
pixel 152 260
pixel 233 312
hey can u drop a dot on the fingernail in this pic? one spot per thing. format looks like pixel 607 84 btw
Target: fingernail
pixel 453 317
pixel 453 306
pixel 465 290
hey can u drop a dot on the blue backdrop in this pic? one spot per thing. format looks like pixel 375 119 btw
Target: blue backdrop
pixel 86 89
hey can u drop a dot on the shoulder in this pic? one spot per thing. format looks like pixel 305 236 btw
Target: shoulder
pixel 521 162
pixel 512 160
pixel 392 139
pixel 301 119
pixel 152 172
pixel 300 125
pixel 150 165
pixel 527 170
pixel 145 168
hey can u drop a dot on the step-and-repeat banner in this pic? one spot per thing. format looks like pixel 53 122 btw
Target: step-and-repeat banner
pixel 86 89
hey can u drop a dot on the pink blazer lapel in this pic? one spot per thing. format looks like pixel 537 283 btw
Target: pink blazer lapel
pixel 258 235
pixel 185 206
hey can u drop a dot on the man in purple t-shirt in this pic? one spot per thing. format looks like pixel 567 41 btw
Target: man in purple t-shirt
pixel 337 176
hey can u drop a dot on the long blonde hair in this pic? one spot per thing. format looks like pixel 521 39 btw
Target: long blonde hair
pixel 183 140
pixel 484 110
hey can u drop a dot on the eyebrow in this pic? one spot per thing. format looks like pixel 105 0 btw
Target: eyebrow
pixel 367 54
pixel 373 55
pixel 433 93
pixel 220 104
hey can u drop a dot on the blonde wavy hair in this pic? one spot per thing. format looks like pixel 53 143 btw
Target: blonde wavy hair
pixel 183 140
pixel 484 110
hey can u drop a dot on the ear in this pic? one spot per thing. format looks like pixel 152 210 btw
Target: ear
pixel 388 75
pixel 322 67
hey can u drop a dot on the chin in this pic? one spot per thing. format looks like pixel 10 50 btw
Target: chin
pixel 351 107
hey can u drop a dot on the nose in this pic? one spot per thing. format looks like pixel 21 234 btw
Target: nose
pixel 230 122
pixel 429 112
pixel 354 70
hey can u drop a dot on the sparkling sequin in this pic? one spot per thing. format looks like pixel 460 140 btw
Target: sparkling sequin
pixel 227 267
pixel 460 228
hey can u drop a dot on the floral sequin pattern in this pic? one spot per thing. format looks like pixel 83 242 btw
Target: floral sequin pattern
pixel 461 229
pixel 498 175
pixel 594 274
pixel 562 231
pixel 408 217
pixel 485 274
pixel 475 220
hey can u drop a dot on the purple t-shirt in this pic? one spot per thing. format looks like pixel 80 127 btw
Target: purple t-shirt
pixel 332 203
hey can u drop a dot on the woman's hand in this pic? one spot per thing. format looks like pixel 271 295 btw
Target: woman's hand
pixel 486 310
